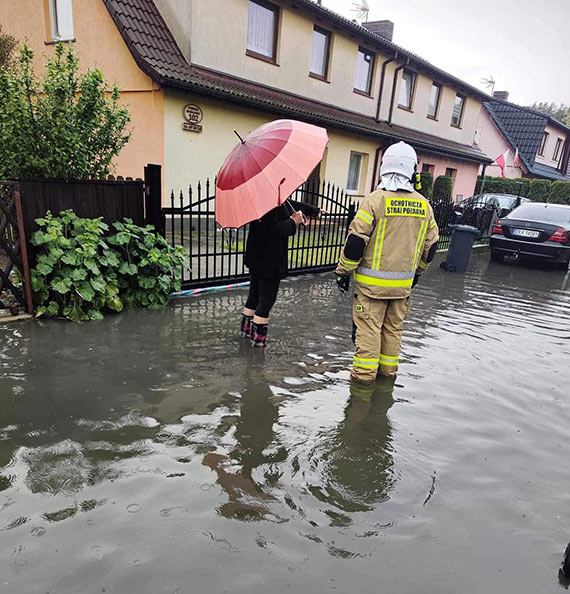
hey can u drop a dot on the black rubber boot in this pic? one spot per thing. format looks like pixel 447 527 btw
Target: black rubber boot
pixel 259 335
pixel 246 323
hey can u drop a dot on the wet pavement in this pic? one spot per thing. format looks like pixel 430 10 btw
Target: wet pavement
pixel 155 452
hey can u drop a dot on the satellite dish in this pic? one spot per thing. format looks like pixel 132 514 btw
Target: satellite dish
pixel 361 9
pixel 489 83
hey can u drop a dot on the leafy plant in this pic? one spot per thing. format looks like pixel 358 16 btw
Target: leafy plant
pixel 442 189
pixel 539 190
pixel 64 125
pixel 7 45
pixel 82 270
pixel 75 274
pixel 560 192
pixel 427 184
pixel 150 269
pixel 500 185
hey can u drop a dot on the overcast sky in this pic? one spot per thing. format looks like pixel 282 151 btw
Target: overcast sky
pixel 523 44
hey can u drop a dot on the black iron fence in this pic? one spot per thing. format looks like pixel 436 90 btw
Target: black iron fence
pixel 480 212
pixel 216 256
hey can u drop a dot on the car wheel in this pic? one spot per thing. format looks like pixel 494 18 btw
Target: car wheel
pixel 497 256
pixel 562 265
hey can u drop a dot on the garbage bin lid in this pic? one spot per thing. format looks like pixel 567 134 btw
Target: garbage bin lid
pixel 465 228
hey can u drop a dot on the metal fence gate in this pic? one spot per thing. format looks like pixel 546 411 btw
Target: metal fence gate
pixel 15 290
pixel 216 256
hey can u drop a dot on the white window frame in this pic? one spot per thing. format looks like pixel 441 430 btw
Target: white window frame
pixel 358 178
pixel 61 20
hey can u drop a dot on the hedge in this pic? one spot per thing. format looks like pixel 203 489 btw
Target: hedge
pixel 442 189
pixel 560 192
pixel 427 184
pixel 500 185
pixel 540 190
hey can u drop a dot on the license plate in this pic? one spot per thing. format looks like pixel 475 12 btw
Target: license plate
pixel 526 233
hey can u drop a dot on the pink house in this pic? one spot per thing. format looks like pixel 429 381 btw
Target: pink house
pixel 543 143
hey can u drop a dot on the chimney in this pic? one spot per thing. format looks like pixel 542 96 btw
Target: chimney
pixel 504 95
pixel 384 28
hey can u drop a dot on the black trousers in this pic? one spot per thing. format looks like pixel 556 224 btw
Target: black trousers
pixel 262 295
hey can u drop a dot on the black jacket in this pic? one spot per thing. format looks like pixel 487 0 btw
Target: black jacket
pixel 268 240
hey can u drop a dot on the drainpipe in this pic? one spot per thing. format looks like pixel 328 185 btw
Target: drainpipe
pixel 384 65
pixel 394 89
pixel 375 169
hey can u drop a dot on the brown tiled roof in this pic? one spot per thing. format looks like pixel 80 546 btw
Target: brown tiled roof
pixel 157 54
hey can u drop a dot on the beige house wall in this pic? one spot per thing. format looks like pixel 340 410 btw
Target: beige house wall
pixel 417 119
pixel 98 44
pixel 553 134
pixel 224 49
pixel 191 156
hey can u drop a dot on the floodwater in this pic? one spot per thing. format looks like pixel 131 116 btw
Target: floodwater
pixel 156 452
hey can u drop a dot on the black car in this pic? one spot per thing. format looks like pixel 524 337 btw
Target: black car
pixel 534 229
pixel 507 202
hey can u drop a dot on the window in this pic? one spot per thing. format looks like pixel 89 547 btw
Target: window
pixel 354 171
pixel 543 144
pixel 457 113
pixel 557 148
pixel 61 17
pixel 262 26
pixel 364 67
pixel 407 89
pixel 320 53
pixel 452 173
pixel 427 168
pixel 433 106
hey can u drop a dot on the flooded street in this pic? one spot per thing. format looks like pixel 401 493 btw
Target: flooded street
pixel 156 452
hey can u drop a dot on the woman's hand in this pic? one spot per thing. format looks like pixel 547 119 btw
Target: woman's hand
pixel 299 218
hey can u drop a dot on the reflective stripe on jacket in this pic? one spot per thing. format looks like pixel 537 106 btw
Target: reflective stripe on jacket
pixel 398 229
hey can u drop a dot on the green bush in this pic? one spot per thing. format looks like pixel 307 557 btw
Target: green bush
pixel 427 184
pixel 442 189
pixel 65 125
pixel 79 274
pixel 539 190
pixel 500 185
pixel 560 192
pixel 150 269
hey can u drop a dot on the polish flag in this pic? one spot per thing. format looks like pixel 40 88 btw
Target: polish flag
pixel 517 160
pixel 501 161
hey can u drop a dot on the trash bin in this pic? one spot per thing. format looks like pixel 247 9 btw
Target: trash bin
pixel 462 239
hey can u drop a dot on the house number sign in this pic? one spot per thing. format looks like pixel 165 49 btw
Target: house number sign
pixel 193 116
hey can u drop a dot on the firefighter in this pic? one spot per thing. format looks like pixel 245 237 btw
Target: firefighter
pixel 391 242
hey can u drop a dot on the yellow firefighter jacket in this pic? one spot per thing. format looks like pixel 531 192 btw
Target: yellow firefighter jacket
pixel 398 230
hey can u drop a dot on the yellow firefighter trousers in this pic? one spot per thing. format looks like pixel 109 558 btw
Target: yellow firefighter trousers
pixel 379 324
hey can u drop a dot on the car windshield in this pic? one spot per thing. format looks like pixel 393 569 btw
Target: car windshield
pixel 559 215
pixel 506 201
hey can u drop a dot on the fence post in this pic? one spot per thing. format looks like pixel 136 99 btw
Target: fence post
pixel 153 197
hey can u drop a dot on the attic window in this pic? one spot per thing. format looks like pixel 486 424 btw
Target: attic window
pixel 262 30
pixel 543 144
pixel 61 19
pixel 557 148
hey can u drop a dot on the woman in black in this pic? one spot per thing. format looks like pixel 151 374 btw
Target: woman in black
pixel 266 258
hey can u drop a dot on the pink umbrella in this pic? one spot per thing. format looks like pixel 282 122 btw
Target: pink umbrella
pixel 263 170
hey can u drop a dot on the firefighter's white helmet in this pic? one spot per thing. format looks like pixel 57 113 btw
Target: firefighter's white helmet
pixel 399 158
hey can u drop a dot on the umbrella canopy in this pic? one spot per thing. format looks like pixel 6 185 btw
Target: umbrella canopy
pixel 263 170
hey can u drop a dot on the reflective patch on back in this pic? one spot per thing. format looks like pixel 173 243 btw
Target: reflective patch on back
pixel 406 207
